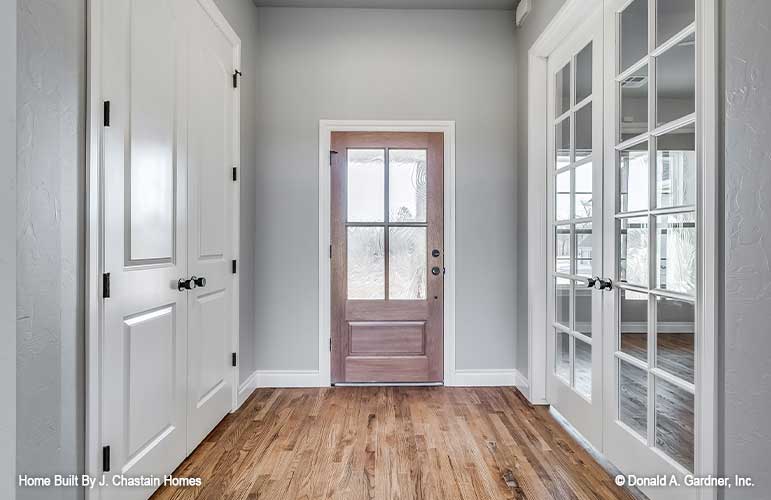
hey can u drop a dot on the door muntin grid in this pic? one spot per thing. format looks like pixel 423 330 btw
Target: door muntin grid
pixel 661 139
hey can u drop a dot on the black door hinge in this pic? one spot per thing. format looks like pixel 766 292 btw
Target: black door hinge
pixel 106 458
pixel 235 359
pixel 235 174
pixel 331 152
pixel 234 267
pixel 330 344
pixel 106 285
pixel 106 113
pixel 236 74
pixel 330 251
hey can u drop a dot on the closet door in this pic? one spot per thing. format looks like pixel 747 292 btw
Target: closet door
pixel 144 334
pixel 212 154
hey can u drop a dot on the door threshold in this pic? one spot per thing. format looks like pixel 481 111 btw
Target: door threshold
pixel 388 384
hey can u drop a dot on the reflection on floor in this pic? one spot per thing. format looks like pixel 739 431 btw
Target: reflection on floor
pixel 396 442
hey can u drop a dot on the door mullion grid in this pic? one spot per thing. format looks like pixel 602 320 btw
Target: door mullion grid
pixel 652 248
pixel 386 228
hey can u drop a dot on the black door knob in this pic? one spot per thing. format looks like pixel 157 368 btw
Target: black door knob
pixel 593 281
pixel 435 271
pixel 606 284
pixel 199 282
pixel 184 284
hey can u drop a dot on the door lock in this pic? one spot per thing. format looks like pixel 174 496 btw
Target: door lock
pixel 184 284
pixel 435 252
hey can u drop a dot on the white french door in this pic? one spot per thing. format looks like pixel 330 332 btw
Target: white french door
pixel 575 138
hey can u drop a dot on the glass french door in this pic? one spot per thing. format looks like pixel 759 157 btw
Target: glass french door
pixel 575 141
pixel 650 240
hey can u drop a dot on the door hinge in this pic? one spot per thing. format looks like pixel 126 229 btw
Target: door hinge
pixel 235 359
pixel 235 174
pixel 330 252
pixel 236 74
pixel 330 344
pixel 106 113
pixel 105 458
pixel 331 152
pixel 234 266
pixel 106 286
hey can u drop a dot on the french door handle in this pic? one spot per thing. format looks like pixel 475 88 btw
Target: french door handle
pixel 199 282
pixel 184 284
pixel 591 282
pixel 606 284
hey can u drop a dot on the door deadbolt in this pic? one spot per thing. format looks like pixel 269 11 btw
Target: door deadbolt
pixel 435 252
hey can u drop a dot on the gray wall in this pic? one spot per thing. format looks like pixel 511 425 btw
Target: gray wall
pixel 543 12
pixel 50 241
pixel 746 79
pixel 242 16
pixel 8 250
pixel 385 64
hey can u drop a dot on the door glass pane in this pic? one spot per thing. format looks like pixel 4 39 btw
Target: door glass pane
pixel 562 242
pixel 583 199
pixel 633 255
pixel 563 196
pixel 366 263
pixel 562 94
pixel 676 82
pixel 633 178
pixel 562 143
pixel 583 368
pixel 634 33
pixel 676 168
pixel 583 309
pixel 366 185
pixel 407 263
pixel 672 16
pixel 634 104
pixel 634 324
pixel 407 171
pixel 584 249
pixel 562 301
pixel 675 323
pixel 584 132
pixel 562 361
pixel 676 252
pixel 674 422
pixel 633 397
pixel 584 73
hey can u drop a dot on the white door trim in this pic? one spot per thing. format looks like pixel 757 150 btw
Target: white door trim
pixel 94 227
pixel 708 212
pixel 326 127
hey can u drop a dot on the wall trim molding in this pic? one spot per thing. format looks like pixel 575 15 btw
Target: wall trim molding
pixel 288 378
pixel 246 388
pixel 505 377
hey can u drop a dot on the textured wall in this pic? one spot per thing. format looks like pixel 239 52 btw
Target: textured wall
pixel 747 259
pixel 242 16
pixel 537 20
pixel 385 64
pixel 50 244
pixel 8 250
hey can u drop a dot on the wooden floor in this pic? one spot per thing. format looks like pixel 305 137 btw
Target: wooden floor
pixel 392 443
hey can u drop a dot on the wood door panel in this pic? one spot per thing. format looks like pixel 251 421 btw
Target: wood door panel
pixel 387 369
pixel 388 337
pixel 392 310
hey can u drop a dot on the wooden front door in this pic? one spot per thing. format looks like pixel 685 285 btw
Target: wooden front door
pixel 387 257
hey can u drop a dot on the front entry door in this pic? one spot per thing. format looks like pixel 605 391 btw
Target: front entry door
pixel 387 257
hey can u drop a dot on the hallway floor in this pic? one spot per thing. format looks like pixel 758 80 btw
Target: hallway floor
pixel 398 442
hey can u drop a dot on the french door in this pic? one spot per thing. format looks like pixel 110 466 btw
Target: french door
pixel 575 139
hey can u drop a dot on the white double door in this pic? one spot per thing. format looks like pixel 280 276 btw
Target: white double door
pixel 170 143
pixel 623 234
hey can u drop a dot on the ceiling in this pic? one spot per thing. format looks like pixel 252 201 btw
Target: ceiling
pixel 394 4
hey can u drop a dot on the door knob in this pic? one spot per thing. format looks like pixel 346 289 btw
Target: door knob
pixel 435 252
pixel 184 284
pixel 591 282
pixel 435 271
pixel 606 284
pixel 199 282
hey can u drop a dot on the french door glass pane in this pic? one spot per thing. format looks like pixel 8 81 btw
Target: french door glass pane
pixel 407 263
pixel 676 252
pixel 562 250
pixel 407 185
pixel 584 73
pixel 562 361
pixel 672 16
pixel 562 91
pixel 366 263
pixel 584 249
pixel 634 104
pixel 584 132
pixel 562 301
pixel 633 254
pixel 366 185
pixel 676 82
pixel 633 178
pixel 675 322
pixel 676 168
pixel 674 422
pixel 583 309
pixel 562 140
pixel 583 198
pixel 634 324
pixel 634 33
pixel 583 368
pixel 563 196
pixel 633 397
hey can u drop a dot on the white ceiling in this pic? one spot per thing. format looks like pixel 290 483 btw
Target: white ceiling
pixel 393 4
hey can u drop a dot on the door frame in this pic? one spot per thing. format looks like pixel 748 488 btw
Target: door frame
pixel 326 127
pixel 708 212
pixel 95 228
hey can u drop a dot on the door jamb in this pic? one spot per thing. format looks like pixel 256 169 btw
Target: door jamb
pixel 706 438
pixel 94 227
pixel 326 127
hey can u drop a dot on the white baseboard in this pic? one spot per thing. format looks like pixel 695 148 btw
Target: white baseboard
pixel 487 378
pixel 246 388
pixel 288 378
